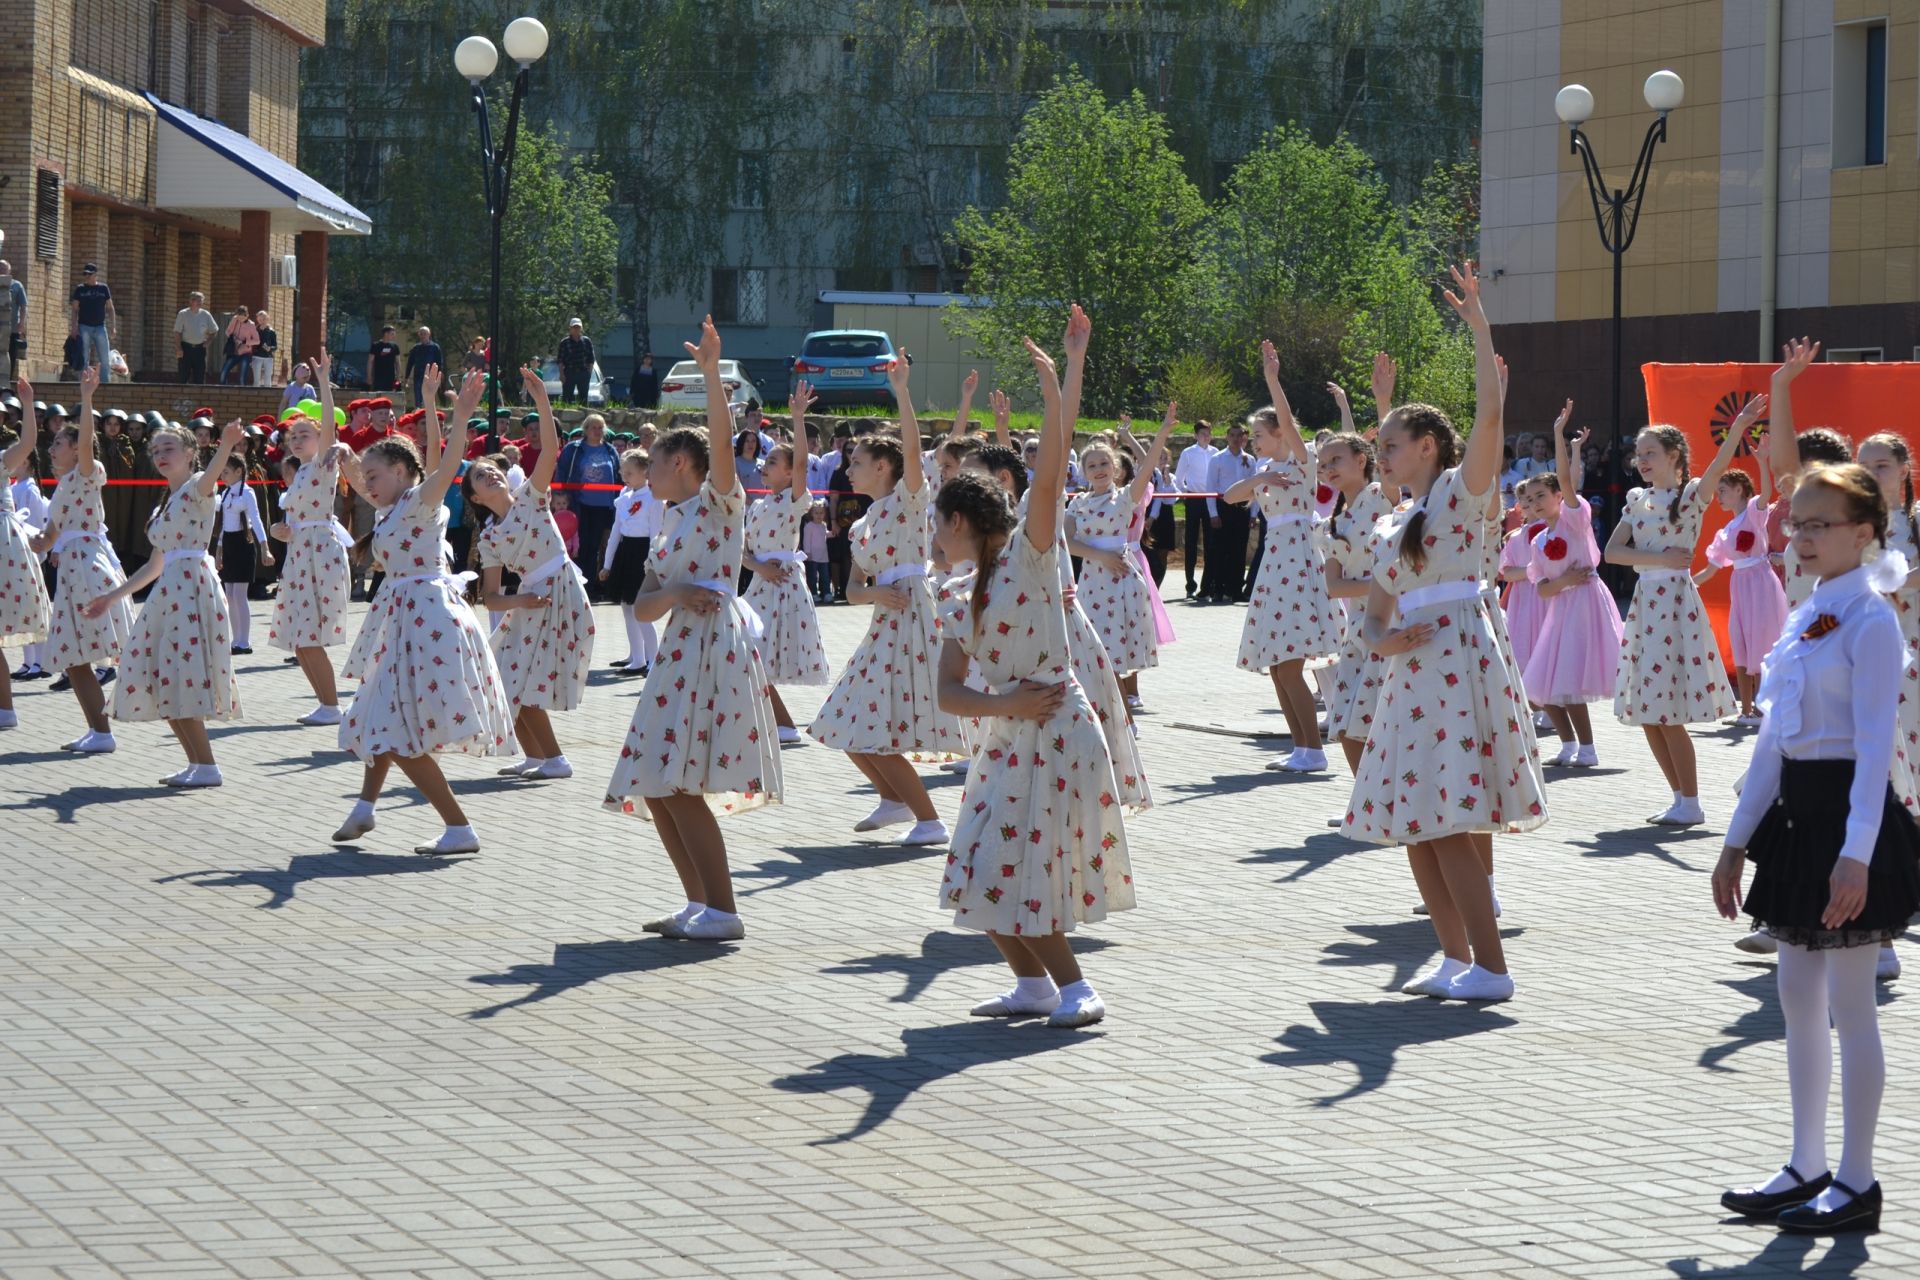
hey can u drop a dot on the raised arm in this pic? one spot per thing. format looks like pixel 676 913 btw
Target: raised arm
pixel 1290 438
pixel 1562 455
pixel 1143 470
pixel 963 416
pixel 536 386
pixel 1783 446
pixel 1750 413
pixel 1339 394
pixel 1079 334
pixel 721 473
pixel 233 436
pixel 18 451
pixel 1385 374
pixel 1766 472
pixel 440 479
pixel 914 472
pixel 89 380
pixel 430 400
pixel 1480 464
pixel 322 366
pixel 1002 415
pixel 798 402
pixel 1050 469
pixel 1575 473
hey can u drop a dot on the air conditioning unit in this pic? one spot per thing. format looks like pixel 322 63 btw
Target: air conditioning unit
pixel 284 272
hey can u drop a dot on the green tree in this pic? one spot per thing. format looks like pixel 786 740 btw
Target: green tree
pixel 1098 212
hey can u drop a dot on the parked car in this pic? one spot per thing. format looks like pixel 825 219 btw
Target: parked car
pixel 685 387
pixel 596 385
pixel 847 366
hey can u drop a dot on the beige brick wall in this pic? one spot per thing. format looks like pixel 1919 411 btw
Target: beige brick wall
pixel 1874 234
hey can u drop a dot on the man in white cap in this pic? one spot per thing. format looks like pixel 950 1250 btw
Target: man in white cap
pixel 576 363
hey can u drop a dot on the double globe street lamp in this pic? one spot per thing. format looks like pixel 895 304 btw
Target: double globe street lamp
pixel 1617 212
pixel 475 58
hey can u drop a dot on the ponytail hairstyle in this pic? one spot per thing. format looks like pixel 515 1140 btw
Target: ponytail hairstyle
pixel 1897 446
pixel 688 442
pixel 1362 449
pixel 887 449
pixel 1857 487
pixel 397 451
pixel 1674 442
pixel 997 458
pixel 986 506
pixel 1822 444
pixel 1737 479
pixel 1424 421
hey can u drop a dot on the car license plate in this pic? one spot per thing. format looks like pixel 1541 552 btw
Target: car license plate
pixel 845 373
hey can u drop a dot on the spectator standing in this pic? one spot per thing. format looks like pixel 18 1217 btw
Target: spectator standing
pixel 13 323
pixel 646 385
pixel 193 328
pixel 1192 473
pixel 476 360
pixel 576 359
pixel 242 338
pixel 383 362
pixel 264 352
pixel 93 321
pixel 425 352
pixel 1225 579
pixel 590 460
pixel 299 387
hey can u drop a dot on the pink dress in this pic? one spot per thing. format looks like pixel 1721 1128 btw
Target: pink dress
pixel 1576 657
pixel 1756 602
pixel 1525 609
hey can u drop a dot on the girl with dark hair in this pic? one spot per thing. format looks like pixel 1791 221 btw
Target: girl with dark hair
pixel 178 663
pixel 1345 462
pixel 314 579
pixel 702 741
pixel 1671 674
pixel 637 517
pixel 791 647
pixel 1790 451
pixel 242 546
pixel 1836 857
pixel 1039 846
pixel 431 685
pixel 24 610
pixel 884 710
pixel 1447 758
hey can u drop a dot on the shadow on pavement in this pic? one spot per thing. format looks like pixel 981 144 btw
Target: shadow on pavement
pixel 810 862
pixel 932 1053
pixel 1784 1255
pixel 1761 1024
pixel 1310 855
pixel 939 952
pixel 1408 945
pixel 1367 1035
pixel 1629 842
pixel 345 864
pixel 66 804
pixel 575 964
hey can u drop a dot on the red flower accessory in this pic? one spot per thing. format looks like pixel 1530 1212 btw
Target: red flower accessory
pixel 1743 542
pixel 1825 624
pixel 1535 529
pixel 1323 494
pixel 1555 548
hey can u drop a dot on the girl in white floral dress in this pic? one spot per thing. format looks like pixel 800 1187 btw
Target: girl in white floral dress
pixel 543 644
pixel 25 613
pixel 431 685
pixel 76 533
pixel 1291 620
pixel 791 648
pixel 314 585
pixel 1039 846
pixel 702 742
pixel 1671 673
pixel 1447 757
pixel 1113 582
pixel 1345 462
pixel 177 665
pixel 883 711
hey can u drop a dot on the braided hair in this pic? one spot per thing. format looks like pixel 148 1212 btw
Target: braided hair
pixel 1735 478
pixel 1424 421
pixel 887 449
pixel 997 458
pixel 397 451
pixel 1673 441
pixel 1897 446
pixel 987 507
pixel 1822 444
pixel 691 443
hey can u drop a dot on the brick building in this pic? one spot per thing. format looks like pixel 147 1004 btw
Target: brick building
pixel 157 138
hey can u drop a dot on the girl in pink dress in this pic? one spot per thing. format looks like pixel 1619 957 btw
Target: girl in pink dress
pixel 702 741
pixel 314 580
pixel 1576 658
pixel 1756 602
pixel 1523 605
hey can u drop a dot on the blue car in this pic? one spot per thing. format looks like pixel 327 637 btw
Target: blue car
pixel 847 366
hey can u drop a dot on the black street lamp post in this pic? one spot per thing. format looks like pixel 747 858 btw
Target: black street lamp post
pixel 475 58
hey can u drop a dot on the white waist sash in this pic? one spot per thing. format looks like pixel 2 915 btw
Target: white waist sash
pixel 71 536
pixel 540 573
pixel 186 553
pixel 780 557
pixel 749 617
pixel 899 573
pixel 340 534
pixel 1291 518
pixel 1754 562
pixel 1438 593
pixel 458 581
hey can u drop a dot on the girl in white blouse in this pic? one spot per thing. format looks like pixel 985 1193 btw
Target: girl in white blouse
pixel 243 541
pixel 1836 857
pixel 638 517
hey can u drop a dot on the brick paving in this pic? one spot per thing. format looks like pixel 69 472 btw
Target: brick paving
pixel 228 1048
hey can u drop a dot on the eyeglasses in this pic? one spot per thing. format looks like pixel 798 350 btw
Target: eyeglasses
pixel 1814 528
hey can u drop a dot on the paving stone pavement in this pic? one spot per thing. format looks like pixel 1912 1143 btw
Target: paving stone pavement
pixel 228 1048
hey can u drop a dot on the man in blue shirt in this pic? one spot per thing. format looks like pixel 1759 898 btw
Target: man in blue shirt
pixel 94 320
pixel 591 460
pixel 425 352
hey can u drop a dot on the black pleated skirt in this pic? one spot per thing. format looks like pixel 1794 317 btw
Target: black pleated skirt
pixel 1794 850
pixel 237 556
pixel 629 569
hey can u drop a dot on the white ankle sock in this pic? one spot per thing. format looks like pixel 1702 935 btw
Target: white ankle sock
pixel 207 773
pixel 714 913
pixel 362 811
pixel 1031 989
pixel 689 911
pixel 1075 992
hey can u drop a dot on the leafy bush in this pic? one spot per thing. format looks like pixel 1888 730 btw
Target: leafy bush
pixel 1204 390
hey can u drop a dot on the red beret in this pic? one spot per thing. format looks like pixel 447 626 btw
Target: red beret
pixel 380 402
pixel 266 420
pixel 355 406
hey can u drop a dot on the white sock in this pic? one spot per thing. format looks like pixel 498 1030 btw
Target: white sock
pixel 206 773
pixel 362 811
pixel 649 641
pixel 239 616
pixel 30 656
pixel 689 911
pixel 1448 969
pixel 715 913
pixel 637 654
pixel 1033 990
pixel 1076 992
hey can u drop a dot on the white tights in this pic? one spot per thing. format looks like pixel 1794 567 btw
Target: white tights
pixel 239 616
pixel 642 642
pixel 32 655
pixel 1813 986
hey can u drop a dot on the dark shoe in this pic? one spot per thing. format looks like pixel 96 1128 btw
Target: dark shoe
pixel 1751 1203
pixel 60 685
pixel 29 673
pixel 618 666
pixel 1860 1213
pixel 105 675
pixel 294 661
pixel 242 650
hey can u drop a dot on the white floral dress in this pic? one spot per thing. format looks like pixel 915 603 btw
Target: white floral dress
pixel 791 647
pixel 88 568
pixel 1449 752
pixel 1670 668
pixel 1349 544
pixel 25 613
pixel 178 663
pixel 886 701
pixel 1901 537
pixel 704 724
pixel 544 655
pixel 1355 719
pixel 1116 603
pixel 431 684
pixel 312 601
pixel 1039 846
pixel 1290 617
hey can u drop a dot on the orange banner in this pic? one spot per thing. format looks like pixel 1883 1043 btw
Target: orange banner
pixel 1857 400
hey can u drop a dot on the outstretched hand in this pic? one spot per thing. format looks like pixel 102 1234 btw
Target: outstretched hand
pixel 1795 358
pixel 1466 302
pixel 1079 331
pixel 706 353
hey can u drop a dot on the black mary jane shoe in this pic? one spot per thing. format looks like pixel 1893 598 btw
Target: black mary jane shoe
pixel 1860 1213
pixel 1753 1203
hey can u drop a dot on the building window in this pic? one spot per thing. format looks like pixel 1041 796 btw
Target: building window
pixel 739 295
pixel 955 65
pixel 752 184
pixel 1860 94
pixel 863 279
pixel 1856 355
pixel 46 214
pixel 1353 74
